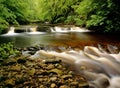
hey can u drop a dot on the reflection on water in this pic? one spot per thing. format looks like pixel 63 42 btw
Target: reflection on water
pixel 73 39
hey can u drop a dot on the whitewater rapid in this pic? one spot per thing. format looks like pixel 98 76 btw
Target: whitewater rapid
pixel 98 66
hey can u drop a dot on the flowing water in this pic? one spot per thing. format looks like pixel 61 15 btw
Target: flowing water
pixel 86 53
pixel 58 36
pixel 99 67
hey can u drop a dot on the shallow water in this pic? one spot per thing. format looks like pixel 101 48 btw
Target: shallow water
pixel 100 68
pixel 72 39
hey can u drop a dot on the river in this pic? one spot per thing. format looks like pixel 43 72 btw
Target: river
pixel 98 66
pixel 60 38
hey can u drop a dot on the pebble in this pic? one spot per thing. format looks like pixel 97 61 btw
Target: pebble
pixel 26 73
pixel 53 85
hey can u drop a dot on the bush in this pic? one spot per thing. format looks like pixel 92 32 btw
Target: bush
pixel 7 49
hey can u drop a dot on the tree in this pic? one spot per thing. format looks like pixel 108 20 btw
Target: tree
pixel 15 12
pixel 100 15
pixel 55 11
pixel 97 15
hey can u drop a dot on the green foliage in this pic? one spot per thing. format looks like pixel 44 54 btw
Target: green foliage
pixel 97 15
pixel 7 49
pixel 3 24
pixel 20 10
pixel 15 12
pixel 56 11
pixel 4 15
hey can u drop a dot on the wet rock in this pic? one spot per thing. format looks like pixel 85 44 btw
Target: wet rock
pixel 2 78
pixel 21 61
pixel 41 86
pixel 56 71
pixel 74 83
pixel 29 63
pixel 83 85
pixel 17 76
pixel 31 72
pixel 32 49
pixel 52 61
pixel 11 74
pixel 26 53
pixel 53 85
pixel 59 66
pixel 8 62
pixel 112 49
pixel 10 82
pixel 66 77
pixel 50 66
pixel 53 79
pixel 1 60
pixel 27 73
pixel 32 52
pixel 64 86
pixel 41 72
pixel 15 68
pixel 20 80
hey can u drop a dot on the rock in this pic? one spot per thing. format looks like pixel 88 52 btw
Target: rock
pixel 74 83
pixel 52 61
pixel 41 86
pixel 56 71
pixel 2 78
pixel 50 66
pixel 26 53
pixel 59 66
pixel 15 68
pixel 9 62
pixel 64 86
pixel 26 73
pixel 30 63
pixel 83 85
pixel 42 72
pixel 53 79
pixel 53 85
pixel 19 76
pixel 31 72
pixel 1 60
pixel 21 61
pixel 66 77
pixel 20 80
pixel 10 82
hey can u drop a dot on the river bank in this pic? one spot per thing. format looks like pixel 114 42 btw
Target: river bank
pixel 97 64
pixel 44 66
pixel 25 72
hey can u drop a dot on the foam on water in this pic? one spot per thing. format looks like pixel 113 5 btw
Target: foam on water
pixel 11 32
pixel 68 29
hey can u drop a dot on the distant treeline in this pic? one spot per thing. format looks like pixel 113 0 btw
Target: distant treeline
pixel 96 15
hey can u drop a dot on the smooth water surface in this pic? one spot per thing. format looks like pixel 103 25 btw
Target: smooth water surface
pixel 73 39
